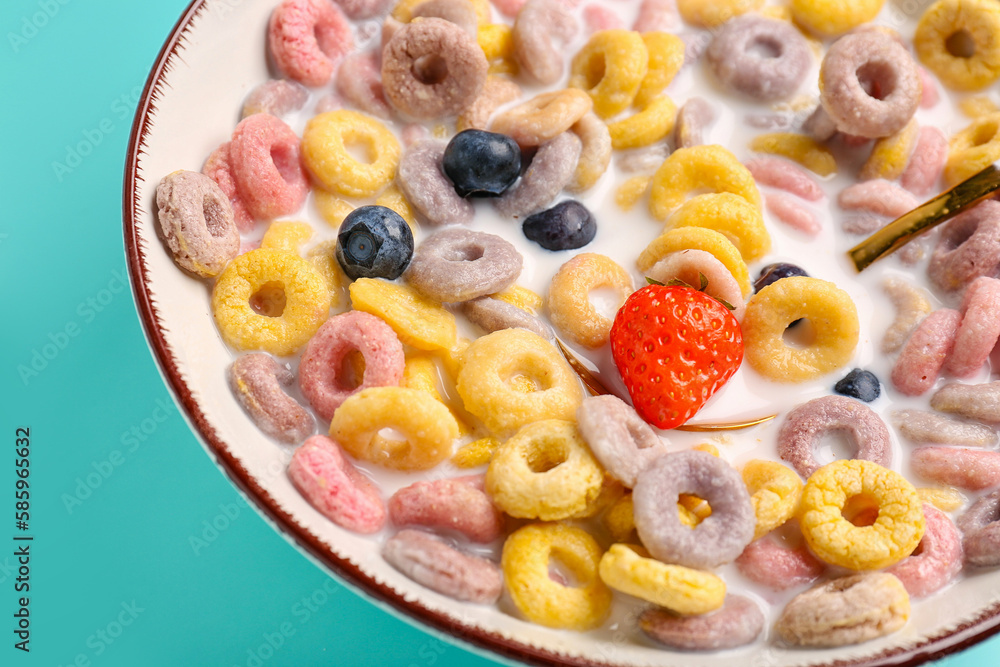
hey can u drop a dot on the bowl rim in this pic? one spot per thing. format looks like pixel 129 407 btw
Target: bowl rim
pixel 974 631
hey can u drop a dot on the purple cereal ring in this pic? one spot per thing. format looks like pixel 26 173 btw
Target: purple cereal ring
pixel 738 622
pixel 460 12
pixel 257 381
pixel 331 484
pixel 267 166
pixel 808 423
pixel 431 68
pixel 975 401
pixel 930 427
pixel 459 504
pixel 363 9
pixel 541 30
pixel 877 196
pixel 778 567
pixel 790 210
pixel 197 223
pixel 980 526
pixel 359 81
pixel 218 168
pixel 937 558
pixel 926 162
pixel 969 247
pixel 869 84
pixel 980 328
pixel 422 179
pixel 432 563
pixel 785 175
pixel 717 540
pixel 492 315
pixel 762 58
pixel 276 97
pixel 321 371
pixel 307 38
pixel 457 264
pixel 693 119
pixel 618 437
pixel 550 170
pixel 972 469
pixel 925 352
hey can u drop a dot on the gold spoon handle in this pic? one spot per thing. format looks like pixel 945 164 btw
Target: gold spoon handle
pixel 926 216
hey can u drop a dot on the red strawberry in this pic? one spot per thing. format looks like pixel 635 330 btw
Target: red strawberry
pixel 674 347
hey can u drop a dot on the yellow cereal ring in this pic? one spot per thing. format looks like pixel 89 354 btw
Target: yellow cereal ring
pixel 619 519
pixel 697 238
pixel 286 235
pixel 775 491
pixel 420 372
pixel 453 357
pixel 610 67
pixel 631 191
pixel 834 17
pixel 297 297
pixel 971 61
pixel 418 321
pixel 332 208
pixel 570 308
pixel 831 313
pixel 476 453
pixel 627 568
pixel 325 154
pixel 977 106
pixel 393 198
pixel 730 215
pixel 427 427
pixel 891 154
pixel 525 562
pixel 808 152
pixel 945 499
pixel 666 57
pixel 546 471
pixel 835 540
pixel 403 10
pixel 687 170
pixel 522 297
pixel 715 13
pixel 322 258
pixel 652 124
pixel 707 447
pixel 496 40
pixel 488 367
pixel 973 149
pixel 611 492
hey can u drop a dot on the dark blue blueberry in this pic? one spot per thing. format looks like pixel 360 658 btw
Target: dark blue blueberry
pixel 482 164
pixel 566 226
pixel 859 384
pixel 374 242
pixel 775 272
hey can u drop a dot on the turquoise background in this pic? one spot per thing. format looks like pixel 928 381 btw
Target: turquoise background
pixel 121 489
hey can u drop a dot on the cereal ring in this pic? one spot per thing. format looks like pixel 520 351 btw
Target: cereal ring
pixel 923 356
pixel 430 562
pixel 890 154
pixel 739 622
pixel 711 15
pixel 496 92
pixel 460 12
pixel 869 84
pixel 785 175
pixel 666 57
pixel 432 68
pixel 834 18
pixel 729 214
pixel 848 610
pixel 623 443
pixel 835 540
pixel 295 297
pixel 490 364
pixel 691 169
pixel 980 402
pixel 496 40
pixel 697 238
pixel 800 148
pixel 455 265
pixel 627 568
pixel 774 492
pixel 276 97
pixel 595 152
pixel 645 161
pixel 807 425
pixel 969 247
pixel 652 124
pixel 550 170
pixel 957 40
pixel 522 297
pixel 570 308
pixel 971 469
pixel 939 559
pixel 541 30
pixel 526 560
pixel 598 17
pixel 929 427
pixel 425 424
pixel 476 453
pixel 945 498
pixel 693 120
pixel 981 531
pixel 720 538
pixel 257 380
pixel 197 223
pixel 973 149
pixel 422 179
pixel 323 375
pixel 266 166
pixel 324 151
pixel 631 191
pixel 403 10
pixel 419 322
pixel 610 68
pixel 690 266
pixel 331 484
pixel 980 328
pixel 307 38
pixel 770 311
pixel 779 568
pixel 792 212
pixel 657 16
pixel 493 314
pixel 911 305
pixel 544 472
pixel 218 167
pixel 764 59
pixel 543 117
pixel 926 162
pixel 359 81
pixel 879 196
pixel 458 504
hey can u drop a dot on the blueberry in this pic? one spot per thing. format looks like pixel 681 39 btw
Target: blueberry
pixel 374 242
pixel 775 272
pixel 859 384
pixel 482 164
pixel 566 226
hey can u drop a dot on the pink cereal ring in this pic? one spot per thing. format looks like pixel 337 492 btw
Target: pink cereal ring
pixel 540 31
pixel 363 9
pixel 321 371
pixel 768 563
pixel 937 558
pixel 806 425
pixel 980 526
pixel 618 437
pixel 657 16
pixel 969 247
pixel 791 211
pixel 877 196
pixel 430 562
pixel 359 81
pixel 785 175
pixel 929 92
pixel 276 97
pixel 331 484
pixel 508 8
pixel 972 469
pixel 925 352
pixel 257 381
pixel 598 17
pixel 739 622
pixel 979 330
pixel 459 504
pixel 307 38
pixel 218 168
pixel 926 161
pixel 267 166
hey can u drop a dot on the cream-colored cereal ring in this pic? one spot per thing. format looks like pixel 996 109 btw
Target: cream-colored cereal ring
pixel 543 117
pixel 570 308
pixel 595 156
pixel 325 155
pixel 687 170
pixel 627 568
